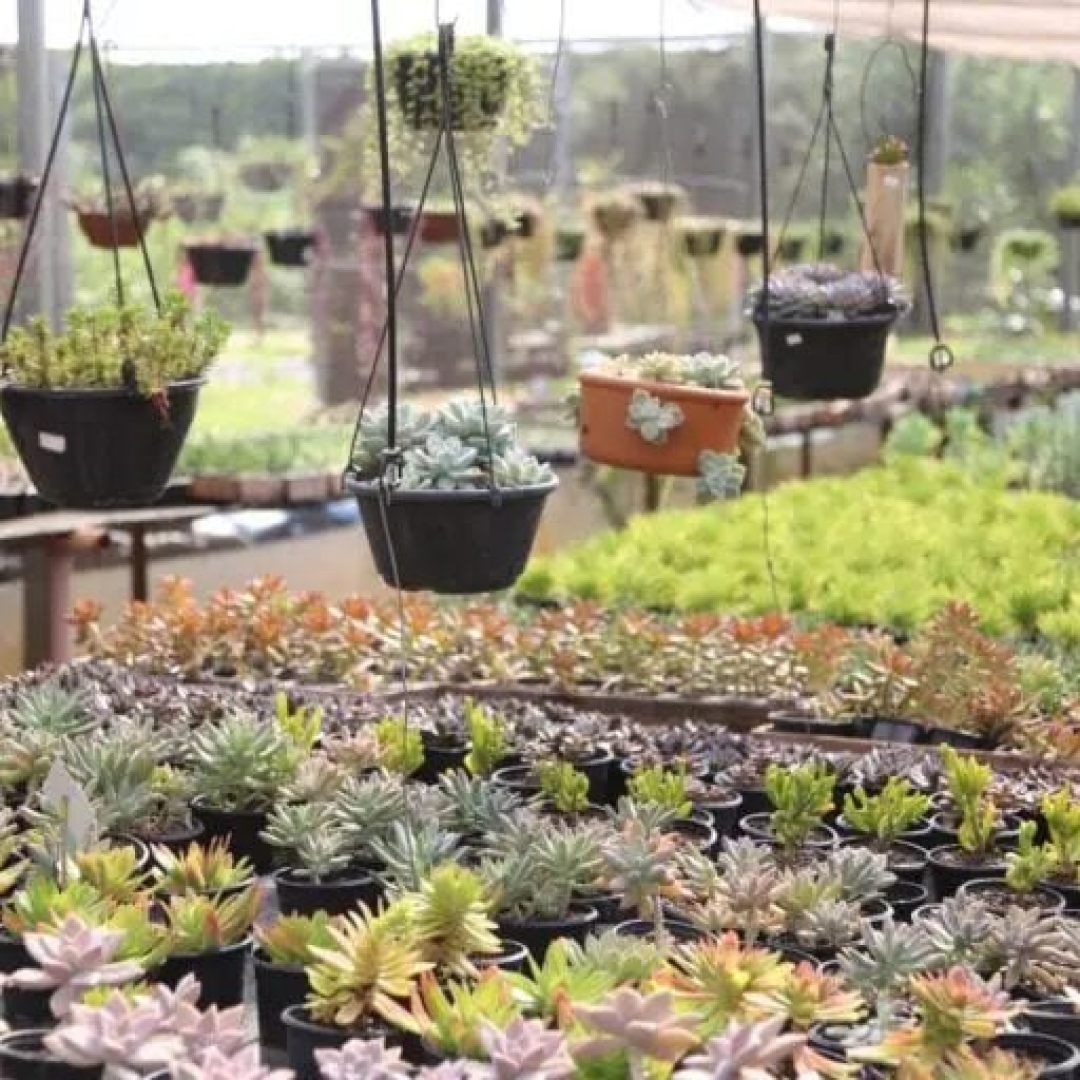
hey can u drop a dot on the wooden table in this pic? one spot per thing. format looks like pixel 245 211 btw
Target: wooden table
pixel 48 544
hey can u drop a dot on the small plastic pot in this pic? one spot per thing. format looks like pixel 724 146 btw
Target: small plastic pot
pixel 241 830
pixel 677 930
pixel 759 827
pixel 1061 1059
pixel 177 842
pixel 26 1009
pixel 303 1036
pixel 23 1056
pixel 298 895
pixel 1044 898
pixel 723 812
pixel 441 756
pixel 13 953
pixel 512 957
pixel 537 934
pixel 277 987
pixel 905 898
pixel 220 973
pixel 947 876
pixel 1054 1016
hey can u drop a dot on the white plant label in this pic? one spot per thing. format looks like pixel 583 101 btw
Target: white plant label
pixel 55 444
pixel 794 339
pixel 892 181
pixel 62 792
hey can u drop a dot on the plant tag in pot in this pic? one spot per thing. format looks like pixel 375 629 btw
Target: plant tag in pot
pixel 62 792
pixel 793 339
pixel 55 444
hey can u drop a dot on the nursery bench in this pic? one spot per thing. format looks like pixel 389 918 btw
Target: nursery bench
pixel 48 544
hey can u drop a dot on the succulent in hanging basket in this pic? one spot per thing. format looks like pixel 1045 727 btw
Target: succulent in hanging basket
pixel 123 223
pixel 493 97
pixel 823 291
pixel 889 150
pixel 1065 204
pixel 613 213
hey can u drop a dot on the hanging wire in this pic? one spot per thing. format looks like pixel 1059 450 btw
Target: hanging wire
pixel 941 356
pixel 553 110
pixel 763 197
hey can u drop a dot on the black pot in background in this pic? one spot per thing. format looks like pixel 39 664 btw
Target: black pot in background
pixel 597 768
pixel 27 1008
pixel 537 934
pixel 754 801
pixel 608 907
pixel 906 897
pixel 748 244
pixel 341 893
pixel 724 813
pixel 277 987
pixel 961 740
pixel 290 247
pixel 451 542
pixel 512 957
pixel 225 265
pixel 889 729
pixel 1061 1059
pixel 240 829
pixel 943 832
pixel 796 724
pixel 99 448
pixel 702 243
pixel 759 827
pixel 17 195
pixel 177 842
pixel 677 930
pixel 907 861
pixel 1049 900
pixel 220 973
pixel 569 244
pixel 1054 1016
pixel 698 831
pixel 23 1057
pixel 947 877
pixel 303 1036
pixel 441 755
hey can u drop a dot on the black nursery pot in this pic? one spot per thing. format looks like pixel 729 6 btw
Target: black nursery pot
pixel 1060 1059
pixel 795 724
pixel 946 876
pixel 822 359
pixel 722 812
pixel 17 197
pixel 95 449
pixel 220 973
pixel 27 1008
pixel 451 542
pixel 177 842
pixel 677 930
pixel 749 244
pixel 905 898
pixel 240 829
pixel 1056 1017
pixel 277 987
pixel 537 934
pixel 340 893
pixel 889 729
pixel 1042 896
pixel 441 755
pixel 303 1036
pixel 13 953
pixel 226 265
pixel 290 247
pixel 23 1057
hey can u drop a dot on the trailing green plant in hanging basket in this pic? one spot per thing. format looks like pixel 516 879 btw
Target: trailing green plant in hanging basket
pixel 494 96
pixel 99 411
pixel 1065 206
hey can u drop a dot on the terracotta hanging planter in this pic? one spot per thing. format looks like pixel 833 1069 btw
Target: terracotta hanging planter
pixel 99 228
pixel 399 218
pixel 711 420
pixel 439 227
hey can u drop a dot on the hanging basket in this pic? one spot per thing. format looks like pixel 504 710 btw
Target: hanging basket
pixel 749 244
pixel 92 449
pixel 452 542
pixel 191 207
pixel 712 420
pixel 658 204
pixel 702 243
pixel 290 247
pixel 967 238
pixel 266 176
pixel 400 218
pixel 16 197
pixel 226 265
pixel 569 244
pixel 416 79
pixel 825 359
pixel 98 227
pixel 439 226
pixel 614 219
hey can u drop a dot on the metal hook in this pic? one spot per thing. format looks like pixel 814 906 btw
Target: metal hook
pixel 941 357
pixel 762 400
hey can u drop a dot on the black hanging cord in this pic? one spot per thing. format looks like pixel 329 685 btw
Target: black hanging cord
pixel 941 356
pixel 107 128
pixel 388 237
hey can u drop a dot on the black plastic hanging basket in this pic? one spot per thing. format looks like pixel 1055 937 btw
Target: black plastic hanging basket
pixel 226 265
pixel 16 196
pixel 451 542
pixel 99 448
pixel 822 359
pixel 290 247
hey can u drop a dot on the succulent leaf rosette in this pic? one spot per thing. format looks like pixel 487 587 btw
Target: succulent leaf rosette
pixel 824 291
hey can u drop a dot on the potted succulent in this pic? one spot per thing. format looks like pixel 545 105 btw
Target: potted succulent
pixel 209 937
pixel 203 870
pixel 220 261
pixel 701 236
pixel 283 950
pixel 17 194
pixel 613 214
pixel 892 822
pixel 239 765
pixel 291 247
pixel 271 163
pixel 1065 206
pixel 801 797
pixel 465 506
pixel 123 227
pixel 826 330
pixel 665 413
pixel 98 412
pixel 359 988
pixel 1024 884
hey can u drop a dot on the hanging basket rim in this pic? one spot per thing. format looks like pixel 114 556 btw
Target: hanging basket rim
pixel 371 489
pixel 98 393
pixel 237 246
pixel 881 318
pixel 668 389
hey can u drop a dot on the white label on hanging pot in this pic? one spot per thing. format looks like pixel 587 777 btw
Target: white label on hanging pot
pixel 55 444
pixel 793 339
pixel 892 181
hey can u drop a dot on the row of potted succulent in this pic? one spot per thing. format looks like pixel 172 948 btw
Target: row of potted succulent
pixel 482 854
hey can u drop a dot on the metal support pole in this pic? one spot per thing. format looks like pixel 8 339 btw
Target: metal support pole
pixel 1070 242
pixel 309 109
